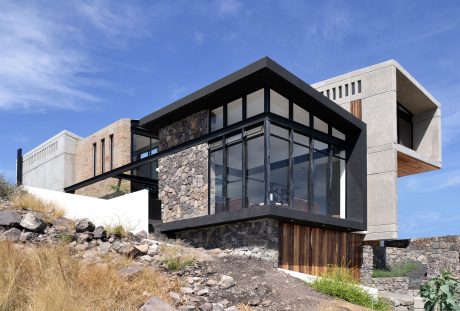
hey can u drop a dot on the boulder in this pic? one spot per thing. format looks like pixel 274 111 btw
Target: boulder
pixel 128 250
pixel 156 304
pixel 9 218
pixel 153 250
pixel 84 225
pixel 142 248
pixel 100 233
pixel 12 234
pixel 226 282
pixel 217 307
pixel 26 236
pixel 141 235
pixel 104 247
pixel 32 222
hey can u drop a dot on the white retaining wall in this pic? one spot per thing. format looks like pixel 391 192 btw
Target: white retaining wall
pixel 130 210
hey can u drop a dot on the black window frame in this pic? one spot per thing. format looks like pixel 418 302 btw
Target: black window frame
pixel 94 158
pixel 111 150
pixel 102 155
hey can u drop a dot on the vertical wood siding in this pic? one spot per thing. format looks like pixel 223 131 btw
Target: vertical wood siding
pixel 356 108
pixel 311 250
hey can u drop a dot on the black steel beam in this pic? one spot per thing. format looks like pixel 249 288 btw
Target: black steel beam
pixel 138 179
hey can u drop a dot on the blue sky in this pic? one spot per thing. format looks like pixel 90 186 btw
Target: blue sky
pixel 80 65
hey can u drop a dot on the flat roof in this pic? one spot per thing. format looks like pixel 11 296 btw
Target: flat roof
pixel 262 68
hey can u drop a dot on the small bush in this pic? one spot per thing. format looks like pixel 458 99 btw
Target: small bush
pixel 6 188
pixel 29 202
pixel 119 228
pixel 340 283
pixel 399 270
pixel 178 262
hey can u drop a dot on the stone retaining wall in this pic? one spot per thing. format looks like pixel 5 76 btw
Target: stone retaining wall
pixel 255 238
pixel 393 285
pixel 183 183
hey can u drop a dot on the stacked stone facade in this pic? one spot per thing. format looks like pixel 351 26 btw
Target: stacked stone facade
pixel 84 168
pixel 183 183
pixel 255 238
pixel 183 176
pixel 184 130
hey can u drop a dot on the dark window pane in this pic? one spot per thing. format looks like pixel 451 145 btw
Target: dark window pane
pixel 234 111
pixel 320 125
pixel 279 131
pixel 279 168
pixel 255 181
pixel 301 115
pixel 352 88
pixel 301 163
pixel 346 89
pixel 340 91
pixel 301 139
pixel 405 133
pixel 338 188
pixel 359 86
pixel 216 182
pixel 320 169
pixel 255 103
pixel 217 118
pixel 336 133
pixel 320 146
pixel 234 178
pixel 279 104
pixel 254 130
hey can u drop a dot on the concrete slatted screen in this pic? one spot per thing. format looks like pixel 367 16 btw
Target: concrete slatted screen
pixel 311 250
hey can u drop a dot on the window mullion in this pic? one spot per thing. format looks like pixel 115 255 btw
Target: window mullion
pixel 290 171
pixel 267 160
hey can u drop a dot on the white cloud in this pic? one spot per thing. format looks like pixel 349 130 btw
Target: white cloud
pixel 434 182
pixel 115 19
pixel 229 7
pixel 38 68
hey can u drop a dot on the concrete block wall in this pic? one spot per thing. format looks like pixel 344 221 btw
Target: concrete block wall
pixel 84 168
pixel 51 165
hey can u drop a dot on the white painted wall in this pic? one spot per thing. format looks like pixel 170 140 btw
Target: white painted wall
pixel 131 210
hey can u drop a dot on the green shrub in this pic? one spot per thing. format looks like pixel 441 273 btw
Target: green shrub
pixel 340 283
pixel 178 262
pixel 119 228
pixel 441 293
pixel 65 237
pixel 399 270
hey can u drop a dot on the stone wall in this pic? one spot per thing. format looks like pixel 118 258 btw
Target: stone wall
pixel 255 238
pixel 448 260
pixel 394 285
pixel 181 131
pixel 84 168
pixel 183 183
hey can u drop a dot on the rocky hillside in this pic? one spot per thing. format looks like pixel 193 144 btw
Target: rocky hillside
pixel 161 274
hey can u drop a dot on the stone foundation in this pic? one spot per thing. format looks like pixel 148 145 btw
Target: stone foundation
pixel 394 285
pixel 183 183
pixel 255 238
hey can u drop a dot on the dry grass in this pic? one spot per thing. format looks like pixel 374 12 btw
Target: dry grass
pixel 176 257
pixel 245 308
pixel 27 201
pixel 49 278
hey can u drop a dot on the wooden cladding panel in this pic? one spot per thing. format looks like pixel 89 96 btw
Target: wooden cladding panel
pixel 408 165
pixel 356 108
pixel 311 250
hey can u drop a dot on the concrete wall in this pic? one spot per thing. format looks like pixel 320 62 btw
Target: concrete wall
pixel 130 210
pixel 51 165
pixel 382 86
pixel 121 131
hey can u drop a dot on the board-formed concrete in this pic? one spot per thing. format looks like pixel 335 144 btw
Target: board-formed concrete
pixel 380 88
pixel 51 165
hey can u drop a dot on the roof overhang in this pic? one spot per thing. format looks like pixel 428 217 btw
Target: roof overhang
pixel 250 78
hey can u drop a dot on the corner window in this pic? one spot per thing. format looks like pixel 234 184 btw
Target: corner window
pixel 300 115
pixel 320 125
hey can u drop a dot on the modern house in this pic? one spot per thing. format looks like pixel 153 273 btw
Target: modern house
pixel 263 161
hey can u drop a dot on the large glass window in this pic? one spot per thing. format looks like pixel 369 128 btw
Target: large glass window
pixel 279 167
pixel 279 104
pixel 255 173
pixel 338 186
pixel 255 103
pixel 300 172
pixel 320 125
pixel 216 175
pixel 144 146
pixel 234 177
pixel 235 111
pixel 217 118
pixel 320 178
